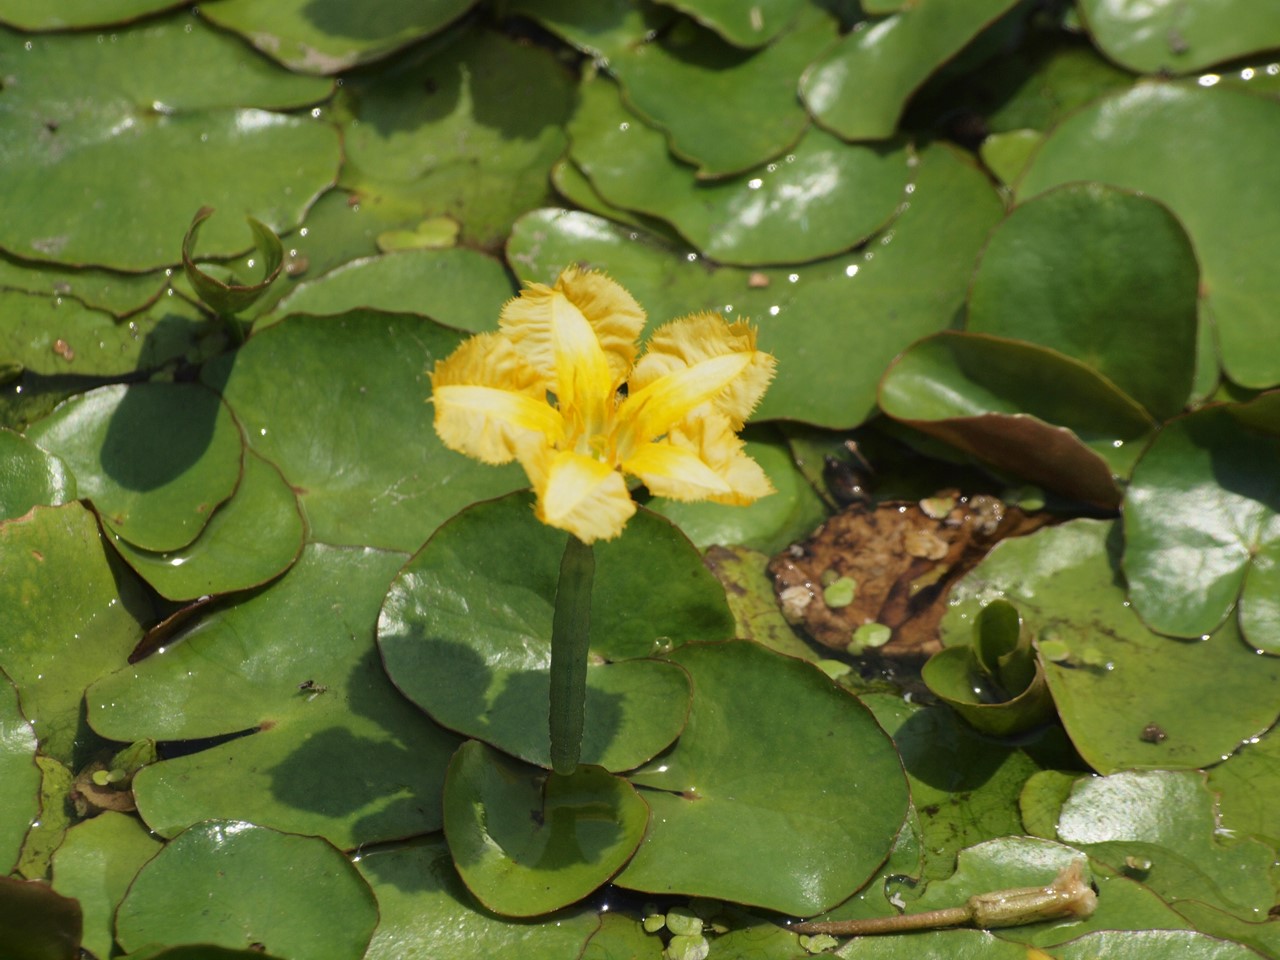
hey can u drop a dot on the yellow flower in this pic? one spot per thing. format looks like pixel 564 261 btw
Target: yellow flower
pixel 548 390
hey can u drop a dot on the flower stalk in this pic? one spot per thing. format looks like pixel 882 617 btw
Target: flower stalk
pixel 570 640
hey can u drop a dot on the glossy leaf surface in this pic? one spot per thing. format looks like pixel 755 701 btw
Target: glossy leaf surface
pixel 30 477
pixel 19 775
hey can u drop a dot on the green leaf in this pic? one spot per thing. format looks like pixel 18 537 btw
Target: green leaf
pixel 329 36
pixel 465 632
pixel 95 865
pixel 753 781
pixel 324 911
pixel 350 428
pixel 424 908
pixel 834 326
pixel 1244 785
pixel 528 842
pixel 69 615
pixel 465 148
pixel 893 57
pixel 250 539
pixel 1169 818
pixel 1091 271
pixel 230 297
pixel 1171 38
pixel 749 591
pixel 79 115
pixel 19 776
pixel 1201 527
pixel 952 944
pixel 790 513
pixel 459 288
pixel 743 26
pixel 314 709
pixel 156 459
pixel 119 294
pixel 46 833
pixel 30 477
pixel 955 676
pixel 28 15
pixel 1204 153
pixel 1122 691
pixel 38 924
pixel 824 198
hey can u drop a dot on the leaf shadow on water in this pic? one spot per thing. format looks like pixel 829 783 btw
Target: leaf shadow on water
pixel 142 451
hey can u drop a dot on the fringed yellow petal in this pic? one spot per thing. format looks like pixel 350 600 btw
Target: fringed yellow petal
pixel 699 347
pixel 675 472
pixel 579 334
pixel 487 401
pixel 711 438
pixel 579 494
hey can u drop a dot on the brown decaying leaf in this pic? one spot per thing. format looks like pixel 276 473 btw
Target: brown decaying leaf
pixel 904 557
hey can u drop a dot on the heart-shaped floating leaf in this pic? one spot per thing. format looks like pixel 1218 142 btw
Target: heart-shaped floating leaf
pixel 995 683
pixel 316 708
pixel 30 477
pixel 1201 525
pixel 95 865
pixel 1168 821
pixel 350 427
pixel 38 924
pixel 893 57
pixel 229 297
pixel 834 326
pixel 528 842
pixel 500 147
pixel 423 905
pixel 753 804
pixel 1102 275
pixel 1112 944
pixel 1066 583
pixel 69 612
pixel 1028 410
pixel 459 288
pixel 1170 38
pixel 743 26
pixel 824 198
pixel 19 776
pixel 119 294
pixel 251 538
pixel 65 14
pixel 465 632
pixel 328 36
pixel 110 117
pixel 156 459
pixel 1206 154
pixel 295 896
pixel 1245 783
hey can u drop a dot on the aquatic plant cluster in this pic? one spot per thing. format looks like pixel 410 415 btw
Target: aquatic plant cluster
pixel 391 575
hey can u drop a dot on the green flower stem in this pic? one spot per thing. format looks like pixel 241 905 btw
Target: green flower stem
pixel 570 633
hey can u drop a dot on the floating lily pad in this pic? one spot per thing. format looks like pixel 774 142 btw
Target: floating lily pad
pixel 1206 154
pixel 70 614
pixel 742 25
pixel 750 595
pixel 892 57
pixel 38 924
pixel 1066 583
pixel 1101 275
pixel 528 842
pixel 119 294
pixel 1169 819
pixel 1025 409
pixel 46 833
pixel 83 115
pixel 459 288
pixel 328 36
pixel 424 906
pixel 767 525
pixel 156 459
pixel 620 936
pixel 251 538
pixel 825 197
pixel 465 632
pixel 36 15
pixel 723 109
pixel 1180 37
pixel 823 820
pixel 1244 784
pixel 29 477
pixel 19 776
pixel 350 428
pixel 95 865
pixel 318 708
pixel 1201 527
pixel 833 326
pixel 1012 862
pixel 465 148
pixel 323 910
pixel 952 944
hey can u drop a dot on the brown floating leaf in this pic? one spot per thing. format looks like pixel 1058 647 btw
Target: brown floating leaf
pixel 902 558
